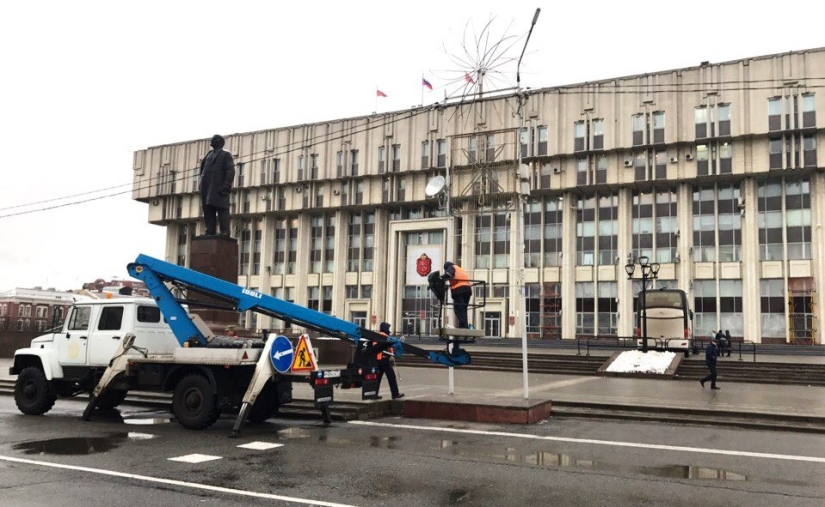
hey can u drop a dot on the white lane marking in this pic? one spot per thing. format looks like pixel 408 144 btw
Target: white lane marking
pixel 260 446
pixel 134 435
pixel 638 445
pixel 195 458
pixel 172 482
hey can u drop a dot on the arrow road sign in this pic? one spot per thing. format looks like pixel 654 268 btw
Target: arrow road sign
pixel 281 354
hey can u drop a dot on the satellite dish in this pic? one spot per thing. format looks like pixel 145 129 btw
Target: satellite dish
pixel 435 186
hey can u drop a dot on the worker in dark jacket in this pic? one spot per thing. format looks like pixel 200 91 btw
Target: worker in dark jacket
pixel 217 174
pixel 711 353
pixel 386 364
pixel 460 289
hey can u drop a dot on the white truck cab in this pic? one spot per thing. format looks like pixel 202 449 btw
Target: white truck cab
pixel 66 362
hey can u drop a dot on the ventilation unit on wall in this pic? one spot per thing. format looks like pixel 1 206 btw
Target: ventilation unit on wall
pixel 628 163
pixel 688 156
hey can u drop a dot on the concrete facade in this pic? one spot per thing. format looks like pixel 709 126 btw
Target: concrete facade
pixel 713 171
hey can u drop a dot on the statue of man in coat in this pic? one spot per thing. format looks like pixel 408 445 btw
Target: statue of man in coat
pixel 217 174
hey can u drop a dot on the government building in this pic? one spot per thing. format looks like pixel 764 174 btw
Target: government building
pixel 711 171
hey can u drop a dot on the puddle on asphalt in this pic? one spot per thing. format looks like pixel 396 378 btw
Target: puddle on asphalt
pixel 552 459
pixel 76 446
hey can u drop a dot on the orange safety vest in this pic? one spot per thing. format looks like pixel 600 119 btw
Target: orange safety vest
pixel 379 356
pixel 461 279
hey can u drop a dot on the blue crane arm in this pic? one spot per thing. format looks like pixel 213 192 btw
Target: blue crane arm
pixel 154 272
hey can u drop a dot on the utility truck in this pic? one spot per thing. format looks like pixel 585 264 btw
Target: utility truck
pixel 108 347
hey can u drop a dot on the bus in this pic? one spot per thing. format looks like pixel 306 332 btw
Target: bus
pixel 668 320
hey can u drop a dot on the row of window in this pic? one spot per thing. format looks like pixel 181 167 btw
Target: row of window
pixel 25 310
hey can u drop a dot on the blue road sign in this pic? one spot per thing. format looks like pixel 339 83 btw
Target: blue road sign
pixel 281 354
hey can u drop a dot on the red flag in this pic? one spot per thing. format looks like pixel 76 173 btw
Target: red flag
pixel 379 93
pixel 468 78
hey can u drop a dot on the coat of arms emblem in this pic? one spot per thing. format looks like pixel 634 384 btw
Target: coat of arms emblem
pixel 423 265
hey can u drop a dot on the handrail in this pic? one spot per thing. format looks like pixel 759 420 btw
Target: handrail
pixel 753 347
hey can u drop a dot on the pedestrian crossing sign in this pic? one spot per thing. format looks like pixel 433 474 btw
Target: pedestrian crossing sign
pixel 304 358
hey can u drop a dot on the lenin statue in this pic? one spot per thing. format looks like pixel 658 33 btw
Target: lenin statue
pixel 217 174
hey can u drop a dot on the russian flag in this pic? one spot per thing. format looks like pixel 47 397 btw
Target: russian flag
pixel 468 78
pixel 379 93
pixel 426 84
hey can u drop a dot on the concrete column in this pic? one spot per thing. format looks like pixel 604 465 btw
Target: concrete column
pixel 625 247
pixel 568 268
pixel 751 266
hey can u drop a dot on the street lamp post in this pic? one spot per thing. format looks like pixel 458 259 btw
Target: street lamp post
pixel 522 191
pixel 650 271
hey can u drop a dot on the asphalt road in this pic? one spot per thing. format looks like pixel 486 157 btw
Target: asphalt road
pixel 131 458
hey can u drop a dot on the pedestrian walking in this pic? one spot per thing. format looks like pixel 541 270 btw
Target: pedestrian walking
pixel 711 353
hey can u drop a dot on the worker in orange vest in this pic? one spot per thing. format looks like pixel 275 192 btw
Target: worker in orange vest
pixel 461 291
pixel 386 363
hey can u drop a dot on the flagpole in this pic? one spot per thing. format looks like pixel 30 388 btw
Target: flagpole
pixel 376 98
pixel 422 90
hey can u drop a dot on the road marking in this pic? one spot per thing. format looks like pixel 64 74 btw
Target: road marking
pixel 260 446
pixel 638 445
pixel 195 458
pixel 171 482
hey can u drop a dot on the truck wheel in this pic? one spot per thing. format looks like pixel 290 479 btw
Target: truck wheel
pixel 194 403
pixel 111 398
pixel 266 405
pixel 32 392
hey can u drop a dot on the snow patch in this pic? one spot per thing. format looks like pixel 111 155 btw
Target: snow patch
pixel 636 361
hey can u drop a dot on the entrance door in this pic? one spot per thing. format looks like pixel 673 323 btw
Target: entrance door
pixel 492 324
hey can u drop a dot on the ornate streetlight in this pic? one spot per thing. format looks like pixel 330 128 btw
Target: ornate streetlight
pixel 650 271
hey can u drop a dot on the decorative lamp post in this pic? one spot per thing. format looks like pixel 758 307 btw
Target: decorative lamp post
pixel 650 271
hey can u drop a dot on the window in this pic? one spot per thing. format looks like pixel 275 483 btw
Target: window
pixel 382 159
pixel 301 168
pixel 313 298
pixel 351 291
pixel 580 133
pixel 240 168
pixel 553 232
pixel 425 155
pixel 246 245
pixel 264 172
pixel 472 150
pixel 491 147
pixel 775 153
pixel 541 147
pixel 730 307
pixel 353 155
pixel 441 146
pixel 808 110
pixel 724 119
pixel 316 244
pixel 704 308
pixel 607 308
pixel 326 303
pixel 111 318
pixel 809 150
pixel 492 240
pixel 700 118
pixel 638 125
pixel 400 188
pixel 279 248
pixel 354 242
pixel 339 164
pixel 524 142
pixel 79 319
pixel 148 314
pixel 585 308
pixel 640 166
pixel 798 219
pixel 772 310
pixel 654 225
pixel 256 253
pixel 598 134
pixel 329 243
pixel 586 231
pixel 275 164
pixel 608 230
pixel 775 113
pixel 396 157
pixel 658 127
pixel 532 234
pixel 313 166
pixel 795 223
pixel 581 171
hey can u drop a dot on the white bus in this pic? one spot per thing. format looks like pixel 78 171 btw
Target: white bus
pixel 668 320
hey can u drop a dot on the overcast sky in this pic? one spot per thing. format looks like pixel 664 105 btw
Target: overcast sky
pixel 86 83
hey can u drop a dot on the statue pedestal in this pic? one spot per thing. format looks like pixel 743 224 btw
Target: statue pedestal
pixel 215 256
